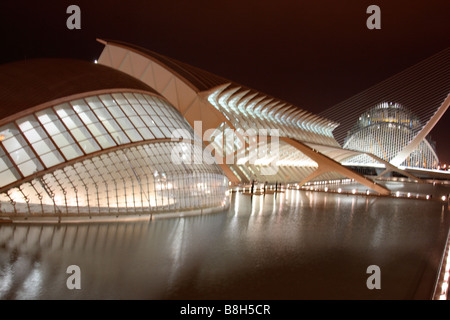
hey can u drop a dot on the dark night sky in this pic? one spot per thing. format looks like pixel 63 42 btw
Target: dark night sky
pixel 313 54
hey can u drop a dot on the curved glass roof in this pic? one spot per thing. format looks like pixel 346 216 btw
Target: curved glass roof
pixel 29 83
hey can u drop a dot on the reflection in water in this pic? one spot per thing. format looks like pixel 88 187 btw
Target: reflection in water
pixel 291 245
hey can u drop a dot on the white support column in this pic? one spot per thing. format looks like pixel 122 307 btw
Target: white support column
pixel 401 156
pixel 327 164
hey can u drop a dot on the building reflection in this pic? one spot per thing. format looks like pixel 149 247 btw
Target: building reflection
pixel 172 257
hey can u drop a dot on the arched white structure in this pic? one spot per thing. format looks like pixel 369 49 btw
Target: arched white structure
pixel 221 105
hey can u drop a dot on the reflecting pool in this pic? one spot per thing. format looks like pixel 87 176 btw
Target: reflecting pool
pixel 291 245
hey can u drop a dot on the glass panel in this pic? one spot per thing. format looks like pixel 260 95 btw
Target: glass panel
pixel 120 137
pixel 51 159
pixel 157 133
pixel 166 121
pixel 102 114
pixel 134 135
pixel 139 110
pixel 76 127
pixel 150 110
pixel 166 111
pixel 166 132
pixel 64 110
pixel 87 117
pixel 106 141
pixel 4 163
pixel 176 124
pixel 97 129
pixel 116 112
pixel 125 123
pixel 119 98
pixel 8 173
pixel 7 177
pixel 107 100
pixel 112 127
pixel 45 116
pixel 43 146
pixel 62 139
pixel 89 145
pixel 94 102
pixel 129 111
pixel 71 151
pixel 71 122
pixel 131 99
pixel 21 155
pixel 151 122
pixel 146 133
pixel 34 135
pixel 137 122
pixel 11 137
pixel 14 143
pixel 80 133
pixel 140 98
pixel 79 106
pixel 158 121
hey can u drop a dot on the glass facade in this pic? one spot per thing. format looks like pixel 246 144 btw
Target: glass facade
pixel 109 153
pixel 384 131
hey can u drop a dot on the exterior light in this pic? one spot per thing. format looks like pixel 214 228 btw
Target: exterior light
pixel 397 194
pixel 444 198
pixel 409 194
pixel 354 191
pixel 326 189
pixel 428 197
pixel 95 61
pixel 2 137
pixel 367 192
pixel 339 190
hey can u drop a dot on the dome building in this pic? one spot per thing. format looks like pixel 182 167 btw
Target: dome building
pixel 393 118
pixel 384 131
pixel 82 139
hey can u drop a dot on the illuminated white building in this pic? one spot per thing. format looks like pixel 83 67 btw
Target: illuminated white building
pixel 384 131
pixel 306 151
pixel 393 119
pixel 83 139
pixel 98 139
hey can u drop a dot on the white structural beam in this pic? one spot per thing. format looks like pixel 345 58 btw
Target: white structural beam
pixel 327 164
pixel 401 156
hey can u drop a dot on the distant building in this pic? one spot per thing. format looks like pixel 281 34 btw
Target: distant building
pixel 414 99
pixel 385 130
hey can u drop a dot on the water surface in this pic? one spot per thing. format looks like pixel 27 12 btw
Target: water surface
pixel 295 245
